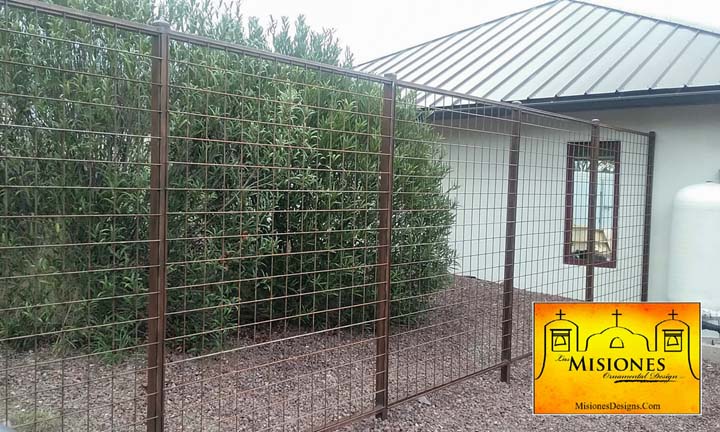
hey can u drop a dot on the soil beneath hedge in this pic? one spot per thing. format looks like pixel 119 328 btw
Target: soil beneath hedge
pixel 297 381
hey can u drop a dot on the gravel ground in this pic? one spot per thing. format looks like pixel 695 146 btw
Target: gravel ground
pixel 486 404
pixel 298 381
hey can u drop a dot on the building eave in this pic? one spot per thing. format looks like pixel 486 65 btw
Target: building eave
pixel 648 98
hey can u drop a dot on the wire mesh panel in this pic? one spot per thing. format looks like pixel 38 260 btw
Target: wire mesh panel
pixel 451 168
pixel 581 216
pixel 200 236
pixel 550 207
pixel 74 187
pixel 505 210
pixel 272 240
pixel 627 214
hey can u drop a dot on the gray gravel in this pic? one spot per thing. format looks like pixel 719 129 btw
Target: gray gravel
pixel 486 404
pixel 291 381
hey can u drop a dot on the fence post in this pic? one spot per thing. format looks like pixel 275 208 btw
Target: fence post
pixel 382 327
pixel 158 228
pixel 592 211
pixel 511 218
pixel 646 223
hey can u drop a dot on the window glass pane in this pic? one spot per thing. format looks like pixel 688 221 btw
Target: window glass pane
pixel 605 204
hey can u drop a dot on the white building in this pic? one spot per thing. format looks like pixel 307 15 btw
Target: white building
pixel 590 62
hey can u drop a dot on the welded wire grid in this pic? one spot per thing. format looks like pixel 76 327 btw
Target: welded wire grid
pixel 447 269
pixel 556 201
pixel 489 282
pixel 622 282
pixel 544 214
pixel 273 237
pixel 284 181
pixel 74 185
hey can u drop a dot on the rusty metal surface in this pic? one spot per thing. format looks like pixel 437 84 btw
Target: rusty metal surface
pixel 229 239
pixel 382 330
pixel 510 234
pixel 592 212
pixel 158 231
pixel 648 210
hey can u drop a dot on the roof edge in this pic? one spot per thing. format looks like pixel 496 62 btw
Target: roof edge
pixel 645 98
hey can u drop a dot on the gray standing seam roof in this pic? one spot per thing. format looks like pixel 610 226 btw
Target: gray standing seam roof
pixel 562 49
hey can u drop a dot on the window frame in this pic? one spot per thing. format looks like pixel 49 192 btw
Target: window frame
pixel 572 150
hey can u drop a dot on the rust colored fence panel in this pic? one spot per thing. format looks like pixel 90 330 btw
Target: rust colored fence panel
pixel 520 196
pixel 274 212
pixel 78 238
pixel 201 236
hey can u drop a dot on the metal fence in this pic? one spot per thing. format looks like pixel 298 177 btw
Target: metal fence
pixel 201 236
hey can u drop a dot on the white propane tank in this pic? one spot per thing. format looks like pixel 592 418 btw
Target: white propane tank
pixel 694 255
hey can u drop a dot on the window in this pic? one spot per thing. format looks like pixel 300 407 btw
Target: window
pixel 673 340
pixel 577 204
pixel 617 342
pixel 560 340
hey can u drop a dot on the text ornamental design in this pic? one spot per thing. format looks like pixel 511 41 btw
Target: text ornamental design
pixel 616 358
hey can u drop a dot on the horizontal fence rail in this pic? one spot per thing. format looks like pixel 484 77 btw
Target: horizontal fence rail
pixel 202 236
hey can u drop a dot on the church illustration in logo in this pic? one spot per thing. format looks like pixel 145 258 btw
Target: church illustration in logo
pixel 616 358
pixel 618 349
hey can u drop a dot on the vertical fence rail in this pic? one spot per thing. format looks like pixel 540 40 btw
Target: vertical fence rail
pixel 382 328
pixel 509 271
pixel 646 224
pixel 275 154
pixel 592 211
pixel 158 230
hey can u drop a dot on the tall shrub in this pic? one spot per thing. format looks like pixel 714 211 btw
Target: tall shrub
pixel 255 188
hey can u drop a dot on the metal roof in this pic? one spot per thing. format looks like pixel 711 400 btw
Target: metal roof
pixel 563 49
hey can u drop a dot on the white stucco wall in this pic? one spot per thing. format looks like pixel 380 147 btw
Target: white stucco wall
pixel 479 163
pixel 687 152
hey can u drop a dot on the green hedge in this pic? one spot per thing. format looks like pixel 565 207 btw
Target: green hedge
pixel 231 205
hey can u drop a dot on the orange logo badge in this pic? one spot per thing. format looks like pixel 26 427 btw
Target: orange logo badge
pixel 616 358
